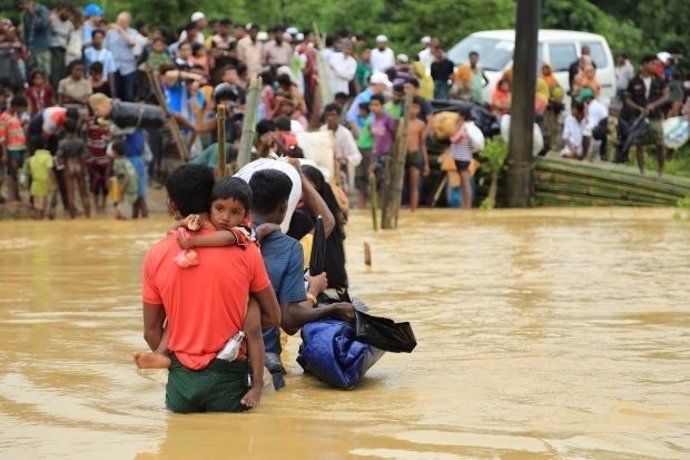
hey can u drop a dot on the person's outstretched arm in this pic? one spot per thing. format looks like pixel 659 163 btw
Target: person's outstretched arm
pixel 295 315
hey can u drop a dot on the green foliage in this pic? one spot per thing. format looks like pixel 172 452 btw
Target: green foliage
pixel 493 159
pixel 677 162
pixel 621 33
pixel 494 155
pixel 634 26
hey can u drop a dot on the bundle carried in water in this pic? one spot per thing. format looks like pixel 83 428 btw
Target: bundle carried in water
pixel 340 354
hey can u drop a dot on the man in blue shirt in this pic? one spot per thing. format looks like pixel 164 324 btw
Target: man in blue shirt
pixel 378 84
pixel 36 26
pixel 284 262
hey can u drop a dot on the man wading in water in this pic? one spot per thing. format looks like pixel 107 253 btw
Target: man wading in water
pixel 209 309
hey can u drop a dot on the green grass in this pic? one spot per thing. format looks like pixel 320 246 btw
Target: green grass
pixel 677 165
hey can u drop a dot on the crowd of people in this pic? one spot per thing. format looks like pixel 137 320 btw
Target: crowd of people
pixel 591 130
pixel 56 58
pixel 52 60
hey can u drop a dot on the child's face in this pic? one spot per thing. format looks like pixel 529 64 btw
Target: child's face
pixel 375 107
pixel 227 213
pixel 363 113
pixel 158 46
pixel 38 80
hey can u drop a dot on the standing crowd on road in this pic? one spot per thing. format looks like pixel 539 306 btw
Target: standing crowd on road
pixel 53 60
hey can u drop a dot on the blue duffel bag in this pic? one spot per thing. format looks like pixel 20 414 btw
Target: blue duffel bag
pixel 331 352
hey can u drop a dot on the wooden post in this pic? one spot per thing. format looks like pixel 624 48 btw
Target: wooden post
pixel 249 124
pixel 179 140
pixel 519 176
pixel 395 171
pixel 221 171
pixel 374 198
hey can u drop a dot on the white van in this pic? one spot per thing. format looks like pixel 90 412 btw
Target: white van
pixel 560 48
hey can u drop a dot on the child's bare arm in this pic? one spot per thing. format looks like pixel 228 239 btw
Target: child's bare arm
pixel 255 343
pixel 216 239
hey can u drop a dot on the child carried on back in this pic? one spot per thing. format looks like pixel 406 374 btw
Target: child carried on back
pixel 229 215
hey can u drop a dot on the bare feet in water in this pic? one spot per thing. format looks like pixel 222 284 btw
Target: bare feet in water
pixel 252 398
pixel 148 360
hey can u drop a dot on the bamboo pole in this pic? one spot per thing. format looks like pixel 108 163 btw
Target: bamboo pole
pixel 395 171
pixel 179 140
pixel 374 197
pixel 249 124
pixel 221 171
pixel 367 254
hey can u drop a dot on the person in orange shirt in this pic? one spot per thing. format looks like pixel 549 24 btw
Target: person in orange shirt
pixel 210 309
pixel 587 78
pixel 13 143
pixel 501 99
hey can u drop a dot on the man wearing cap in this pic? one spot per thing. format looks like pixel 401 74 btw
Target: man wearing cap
pixel 93 14
pixel 199 20
pixel 378 84
pixel 382 57
pixel 426 55
pixel 594 134
pixel 250 50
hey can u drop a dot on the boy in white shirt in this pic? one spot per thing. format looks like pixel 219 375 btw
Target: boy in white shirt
pixel 573 131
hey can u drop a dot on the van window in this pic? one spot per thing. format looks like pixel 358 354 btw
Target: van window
pixel 494 54
pixel 598 54
pixel 561 56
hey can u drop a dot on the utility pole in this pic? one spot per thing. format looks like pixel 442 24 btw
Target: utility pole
pixel 519 177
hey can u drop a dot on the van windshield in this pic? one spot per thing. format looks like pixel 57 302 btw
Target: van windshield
pixel 494 54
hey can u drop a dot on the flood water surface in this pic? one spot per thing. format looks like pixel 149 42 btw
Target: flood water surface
pixel 542 334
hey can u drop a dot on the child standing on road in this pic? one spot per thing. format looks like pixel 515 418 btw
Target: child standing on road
pixel 40 168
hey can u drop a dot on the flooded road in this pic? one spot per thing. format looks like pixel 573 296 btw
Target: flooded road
pixel 542 334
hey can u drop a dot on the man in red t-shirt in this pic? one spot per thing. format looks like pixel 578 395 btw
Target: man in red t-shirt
pixel 205 306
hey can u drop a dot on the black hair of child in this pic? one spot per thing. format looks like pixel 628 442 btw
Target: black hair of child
pixel 235 188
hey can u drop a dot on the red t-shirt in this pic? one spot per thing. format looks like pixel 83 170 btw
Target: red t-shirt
pixel 40 98
pixel 206 304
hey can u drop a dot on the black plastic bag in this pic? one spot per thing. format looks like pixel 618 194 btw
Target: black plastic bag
pixel 384 333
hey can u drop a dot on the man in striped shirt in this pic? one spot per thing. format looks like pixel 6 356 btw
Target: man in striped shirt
pixel 461 150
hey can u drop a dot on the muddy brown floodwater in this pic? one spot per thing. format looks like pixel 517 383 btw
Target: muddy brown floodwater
pixel 542 334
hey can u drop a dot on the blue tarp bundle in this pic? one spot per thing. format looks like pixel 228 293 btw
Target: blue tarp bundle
pixel 331 352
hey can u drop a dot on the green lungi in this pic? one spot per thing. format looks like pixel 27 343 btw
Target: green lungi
pixel 217 388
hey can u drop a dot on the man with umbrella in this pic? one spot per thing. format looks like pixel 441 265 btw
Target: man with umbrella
pixel 645 96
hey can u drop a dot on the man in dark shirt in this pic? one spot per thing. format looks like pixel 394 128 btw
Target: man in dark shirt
pixel 441 72
pixel 646 94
